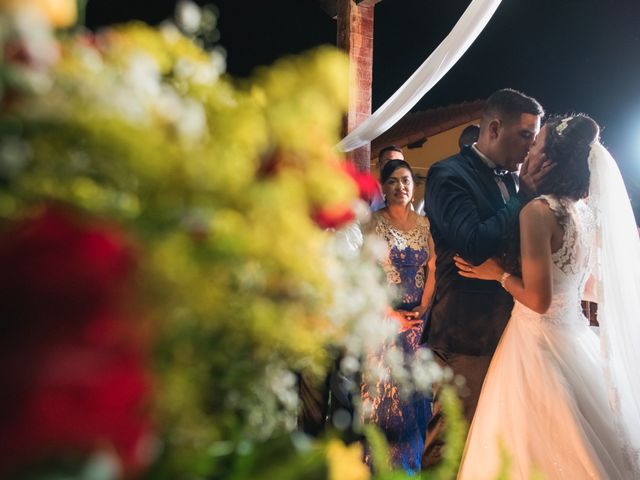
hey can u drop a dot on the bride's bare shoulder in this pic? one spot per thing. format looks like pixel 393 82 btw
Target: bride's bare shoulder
pixel 539 211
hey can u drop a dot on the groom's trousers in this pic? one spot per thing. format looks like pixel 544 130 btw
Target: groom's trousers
pixel 473 369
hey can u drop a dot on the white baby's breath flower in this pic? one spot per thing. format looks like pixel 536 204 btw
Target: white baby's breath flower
pixel 348 240
pixel 349 365
pixel 143 75
pixel 459 381
pixel 219 59
pixel 379 332
pixel 421 377
pixel 118 98
pixel 375 247
pixel 184 68
pixel 423 355
pixel 90 58
pixel 169 31
pixel 423 369
pixel 362 211
pixel 366 409
pixel 376 373
pixel 192 125
pixel 274 404
pixel 394 359
pixel 188 16
pixel 435 372
pixel 169 105
pixel 37 38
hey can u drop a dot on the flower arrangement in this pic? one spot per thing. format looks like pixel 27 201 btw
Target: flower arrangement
pixel 184 222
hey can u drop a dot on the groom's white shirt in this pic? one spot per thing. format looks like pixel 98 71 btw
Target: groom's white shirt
pixel 501 185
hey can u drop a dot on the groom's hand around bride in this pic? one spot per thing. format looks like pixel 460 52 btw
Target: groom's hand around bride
pixel 533 173
pixel 488 270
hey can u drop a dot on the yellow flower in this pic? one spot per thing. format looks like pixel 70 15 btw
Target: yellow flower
pixel 345 462
pixel 59 13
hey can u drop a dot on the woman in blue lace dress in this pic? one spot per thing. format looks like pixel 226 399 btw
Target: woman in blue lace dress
pixel 410 267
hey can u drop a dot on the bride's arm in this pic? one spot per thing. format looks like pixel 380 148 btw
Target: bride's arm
pixel 591 290
pixel 534 289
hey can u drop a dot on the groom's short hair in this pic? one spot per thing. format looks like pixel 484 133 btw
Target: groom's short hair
pixel 508 104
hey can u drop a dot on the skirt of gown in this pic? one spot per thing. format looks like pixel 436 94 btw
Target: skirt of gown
pixel 402 420
pixel 544 407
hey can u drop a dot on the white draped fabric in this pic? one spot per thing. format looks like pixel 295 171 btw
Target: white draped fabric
pixel 472 22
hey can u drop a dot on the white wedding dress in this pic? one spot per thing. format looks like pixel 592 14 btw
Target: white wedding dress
pixel 544 407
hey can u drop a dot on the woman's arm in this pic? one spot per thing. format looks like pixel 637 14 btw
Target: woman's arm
pixel 430 279
pixel 534 289
pixel 591 290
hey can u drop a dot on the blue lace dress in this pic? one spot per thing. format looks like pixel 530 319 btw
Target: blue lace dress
pixel 403 420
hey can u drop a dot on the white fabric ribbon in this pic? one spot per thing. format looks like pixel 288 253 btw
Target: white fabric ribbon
pixel 472 22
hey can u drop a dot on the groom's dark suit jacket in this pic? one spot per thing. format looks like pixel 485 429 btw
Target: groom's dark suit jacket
pixel 468 217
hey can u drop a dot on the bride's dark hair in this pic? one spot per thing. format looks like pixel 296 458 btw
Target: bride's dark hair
pixel 567 144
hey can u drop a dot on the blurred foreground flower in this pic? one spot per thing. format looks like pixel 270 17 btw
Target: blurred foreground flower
pixel 367 183
pixel 227 188
pixel 72 375
pixel 59 13
pixel 345 461
pixel 338 215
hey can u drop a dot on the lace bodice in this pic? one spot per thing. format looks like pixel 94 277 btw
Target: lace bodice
pixel 407 255
pixel 571 262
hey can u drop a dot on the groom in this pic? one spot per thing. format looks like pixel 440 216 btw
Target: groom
pixel 472 202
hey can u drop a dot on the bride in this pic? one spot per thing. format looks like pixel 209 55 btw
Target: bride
pixel 559 401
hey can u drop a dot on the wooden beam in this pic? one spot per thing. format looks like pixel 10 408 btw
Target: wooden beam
pixel 331 6
pixel 355 36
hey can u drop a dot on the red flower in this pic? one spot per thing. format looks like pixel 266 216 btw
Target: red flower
pixel 334 216
pixel 72 374
pixel 367 183
pixel 338 215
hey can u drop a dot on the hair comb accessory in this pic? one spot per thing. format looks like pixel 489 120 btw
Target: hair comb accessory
pixel 563 125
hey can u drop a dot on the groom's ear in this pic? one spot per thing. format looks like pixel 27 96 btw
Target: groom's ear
pixel 494 128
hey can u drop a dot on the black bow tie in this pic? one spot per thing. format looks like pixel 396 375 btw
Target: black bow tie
pixel 499 172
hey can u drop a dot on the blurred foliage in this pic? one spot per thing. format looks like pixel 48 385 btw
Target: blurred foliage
pixel 218 183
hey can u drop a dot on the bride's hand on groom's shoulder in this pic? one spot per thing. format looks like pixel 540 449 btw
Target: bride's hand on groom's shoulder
pixel 488 270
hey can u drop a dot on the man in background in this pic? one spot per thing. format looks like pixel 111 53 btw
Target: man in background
pixel 469 136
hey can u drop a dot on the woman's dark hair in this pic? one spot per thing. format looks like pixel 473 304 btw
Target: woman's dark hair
pixel 567 144
pixel 393 165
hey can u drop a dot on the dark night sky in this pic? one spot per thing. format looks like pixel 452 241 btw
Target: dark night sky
pixel 572 55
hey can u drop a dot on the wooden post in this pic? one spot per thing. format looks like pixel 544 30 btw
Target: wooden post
pixel 355 36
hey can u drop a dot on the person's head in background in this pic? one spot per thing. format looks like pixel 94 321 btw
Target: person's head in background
pixel 390 152
pixel 469 136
